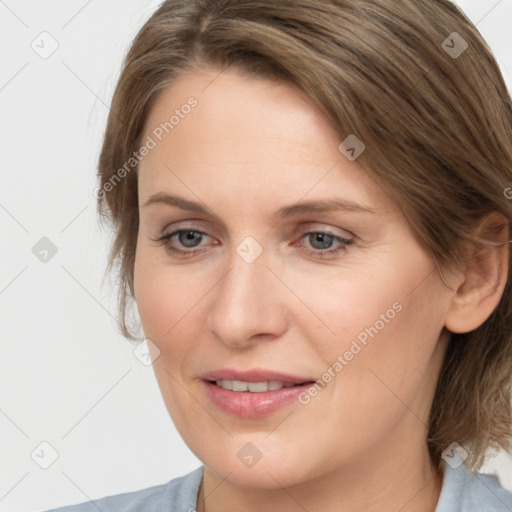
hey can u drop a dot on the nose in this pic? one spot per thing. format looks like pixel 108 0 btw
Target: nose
pixel 249 303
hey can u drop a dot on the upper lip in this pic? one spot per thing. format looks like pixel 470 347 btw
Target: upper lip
pixel 254 375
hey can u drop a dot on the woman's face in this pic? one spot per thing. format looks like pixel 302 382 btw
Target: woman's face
pixel 274 286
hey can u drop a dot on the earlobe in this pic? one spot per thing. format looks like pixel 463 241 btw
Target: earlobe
pixel 481 287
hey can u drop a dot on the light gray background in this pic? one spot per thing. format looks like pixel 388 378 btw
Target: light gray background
pixel 67 377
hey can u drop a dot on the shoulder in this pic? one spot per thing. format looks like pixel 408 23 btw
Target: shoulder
pixel 472 492
pixel 487 495
pixel 178 495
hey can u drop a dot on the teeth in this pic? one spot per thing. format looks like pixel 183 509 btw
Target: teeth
pixel 238 385
pixel 254 387
pixel 277 384
pixel 257 387
pixel 226 384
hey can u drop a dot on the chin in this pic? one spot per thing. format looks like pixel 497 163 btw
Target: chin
pixel 273 469
pixel 260 477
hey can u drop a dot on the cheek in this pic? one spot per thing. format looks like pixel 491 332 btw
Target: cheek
pixel 155 295
pixel 152 297
pixel 168 299
pixel 392 309
pixel 379 330
pixel 398 369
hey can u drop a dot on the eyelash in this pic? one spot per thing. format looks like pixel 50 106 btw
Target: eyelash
pixel 165 241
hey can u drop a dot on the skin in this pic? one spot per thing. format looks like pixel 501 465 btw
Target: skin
pixel 248 148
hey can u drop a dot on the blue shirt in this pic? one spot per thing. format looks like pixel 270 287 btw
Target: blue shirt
pixel 462 491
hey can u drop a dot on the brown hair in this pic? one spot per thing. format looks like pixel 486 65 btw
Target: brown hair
pixel 437 127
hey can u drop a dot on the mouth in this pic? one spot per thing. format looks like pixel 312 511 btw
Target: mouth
pixel 253 394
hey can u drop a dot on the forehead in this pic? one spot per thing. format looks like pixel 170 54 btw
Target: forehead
pixel 238 108
pixel 245 137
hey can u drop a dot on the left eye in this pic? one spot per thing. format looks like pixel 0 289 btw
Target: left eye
pixel 324 239
pixel 189 237
pixel 321 240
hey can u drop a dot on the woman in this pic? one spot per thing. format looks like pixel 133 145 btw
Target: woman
pixel 312 213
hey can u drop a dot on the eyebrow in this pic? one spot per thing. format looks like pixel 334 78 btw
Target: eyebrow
pixel 319 206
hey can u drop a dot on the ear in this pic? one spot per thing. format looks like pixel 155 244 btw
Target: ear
pixel 480 286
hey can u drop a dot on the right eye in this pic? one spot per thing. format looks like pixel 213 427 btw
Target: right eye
pixel 187 238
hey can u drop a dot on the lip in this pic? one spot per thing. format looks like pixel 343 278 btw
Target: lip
pixel 245 404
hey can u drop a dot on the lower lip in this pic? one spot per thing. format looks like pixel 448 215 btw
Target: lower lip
pixel 246 404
